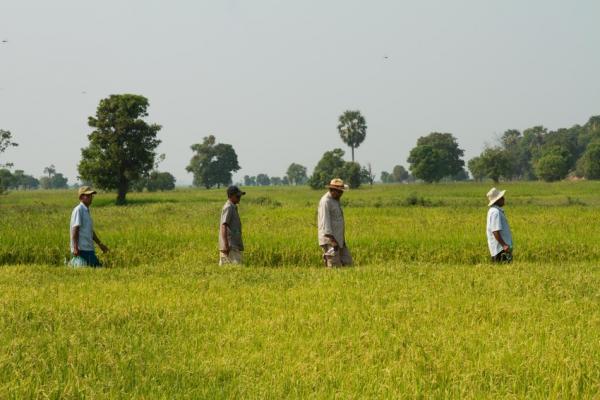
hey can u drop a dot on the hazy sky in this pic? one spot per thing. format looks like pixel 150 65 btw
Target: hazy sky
pixel 271 77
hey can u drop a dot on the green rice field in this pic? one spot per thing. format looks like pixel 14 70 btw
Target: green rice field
pixel 422 314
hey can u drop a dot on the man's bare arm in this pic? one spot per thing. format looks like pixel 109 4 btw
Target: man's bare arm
pixel 498 237
pixel 99 243
pixel 75 235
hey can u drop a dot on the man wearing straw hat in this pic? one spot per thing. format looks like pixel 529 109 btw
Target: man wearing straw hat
pixel 498 231
pixel 332 228
pixel 82 232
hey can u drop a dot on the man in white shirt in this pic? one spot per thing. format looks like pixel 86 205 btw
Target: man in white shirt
pixel 82 232
pixel 331 227
pixel 499 236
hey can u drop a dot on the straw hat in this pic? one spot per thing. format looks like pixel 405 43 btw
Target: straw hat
pixel 86 190
pixel 494 195
pixel 337 184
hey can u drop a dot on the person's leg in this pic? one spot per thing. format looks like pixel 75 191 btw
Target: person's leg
pixel 90 259
pixel 345 257
pixel 223 259
pixel 502 257
pixel 233 257
pixel 331 256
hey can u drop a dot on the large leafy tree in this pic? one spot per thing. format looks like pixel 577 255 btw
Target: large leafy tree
pixel 493 163
pixel 352 128
pixel 122 146
pixel 160 181
pixel 296 174
pixel 553 165
pixel 436 156
pixel 332 165
pixel 400 174
pixel 589 164
pixel 263 180
pixel 213 164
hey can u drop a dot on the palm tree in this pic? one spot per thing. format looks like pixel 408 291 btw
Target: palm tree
pixel 352 128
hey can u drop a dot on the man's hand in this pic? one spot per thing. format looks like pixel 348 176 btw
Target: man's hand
pixel 76 251
pixel 103 247
pixel 506 248
pixel 225 251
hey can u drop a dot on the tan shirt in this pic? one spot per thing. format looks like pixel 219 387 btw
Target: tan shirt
pixel 330 220
pixel 231 218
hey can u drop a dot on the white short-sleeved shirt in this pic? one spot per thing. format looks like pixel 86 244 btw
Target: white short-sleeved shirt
pixel 81 217
pixel 496 221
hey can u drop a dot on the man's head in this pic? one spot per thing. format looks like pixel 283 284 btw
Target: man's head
pixel 86 195
pixel 337 188
pixel 495 197
pixel 234 194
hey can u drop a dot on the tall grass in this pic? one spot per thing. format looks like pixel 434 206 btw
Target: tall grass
pixel 397 223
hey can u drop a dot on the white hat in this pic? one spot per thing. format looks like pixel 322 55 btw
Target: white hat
pixel 494 195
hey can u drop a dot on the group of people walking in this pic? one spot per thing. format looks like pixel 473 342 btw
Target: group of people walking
pixel 330 222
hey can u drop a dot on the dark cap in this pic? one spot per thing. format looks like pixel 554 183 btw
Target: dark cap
pixel 234 191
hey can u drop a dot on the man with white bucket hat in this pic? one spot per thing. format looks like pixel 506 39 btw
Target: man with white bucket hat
pixel 499 236
pixel 331 226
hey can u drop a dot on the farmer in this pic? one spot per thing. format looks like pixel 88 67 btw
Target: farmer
pixel 331 226
pixel 498 232
pixel 82 232
pixel 230 233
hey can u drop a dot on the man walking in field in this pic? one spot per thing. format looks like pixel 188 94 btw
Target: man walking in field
pixel 82 232
pixel 331 226
pixel 498 231
pixel 231 245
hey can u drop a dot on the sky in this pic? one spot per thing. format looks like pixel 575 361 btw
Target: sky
pixel 272 77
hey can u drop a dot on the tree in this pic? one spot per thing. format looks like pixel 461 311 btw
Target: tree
pixel 213 164
pixel 477 169
pixel 332 165
pixel 6 179
pixel 296 174
pixel 352 128
pixel 350 173
pixel 51 170
pixel 367 175
pixel 263 180
pixel 495 163
pixel 57 181
pixel 327 168
pixel 589 164
pixel 160 181
pixel 385 177
pixel 21 180
pixel 436 156
pixel 461 176
pixel 552 166
pixel 400 174
pixel 122 145
pixel 249 180
pixel 6 141
pixel 276 181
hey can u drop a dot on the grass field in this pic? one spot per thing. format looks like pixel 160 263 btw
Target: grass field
pixel 423 314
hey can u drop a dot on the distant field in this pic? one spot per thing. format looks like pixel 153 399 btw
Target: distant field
pixel 422 315
pixel 551 222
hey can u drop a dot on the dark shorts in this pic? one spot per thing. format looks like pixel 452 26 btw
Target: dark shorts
pixel 85 259
pixel 502 257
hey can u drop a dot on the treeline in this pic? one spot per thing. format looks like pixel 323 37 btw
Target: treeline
pixel 121 156
pixel 537 153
